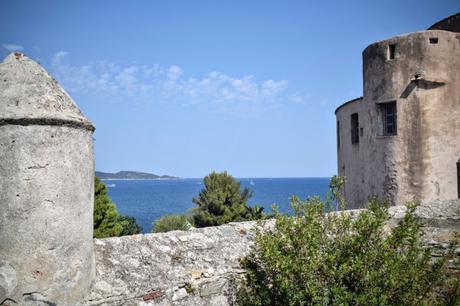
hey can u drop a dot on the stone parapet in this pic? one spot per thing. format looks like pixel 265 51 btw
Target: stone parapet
pixel 201 266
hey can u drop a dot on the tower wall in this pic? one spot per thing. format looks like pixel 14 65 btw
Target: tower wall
pixel 47 189
pixel 420 73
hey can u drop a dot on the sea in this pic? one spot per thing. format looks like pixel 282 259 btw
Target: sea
pixel 148 200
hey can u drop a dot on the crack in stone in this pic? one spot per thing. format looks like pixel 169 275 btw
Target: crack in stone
pixel 38 167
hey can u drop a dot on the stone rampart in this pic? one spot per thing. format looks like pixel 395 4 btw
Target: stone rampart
pixel 201 266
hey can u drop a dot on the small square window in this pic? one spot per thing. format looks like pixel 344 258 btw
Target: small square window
pixel 433 40
pixel 391 51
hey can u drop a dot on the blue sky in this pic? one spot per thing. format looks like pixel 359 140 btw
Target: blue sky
pixel 187 87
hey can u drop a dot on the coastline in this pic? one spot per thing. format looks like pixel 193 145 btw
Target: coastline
pixel 141 179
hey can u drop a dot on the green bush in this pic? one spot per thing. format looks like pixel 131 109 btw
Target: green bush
pixel 316 258
pixel 222 201
pixel 107 221
pixel 130 227
pixel 171 223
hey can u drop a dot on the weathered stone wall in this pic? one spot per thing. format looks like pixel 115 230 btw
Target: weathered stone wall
pixel 196 267
pixel 419 163
pixel 201 266
pixel 46 189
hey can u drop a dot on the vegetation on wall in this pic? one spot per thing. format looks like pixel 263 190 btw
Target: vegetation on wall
pixel 171 223
pixel 107 221
pixel 316 258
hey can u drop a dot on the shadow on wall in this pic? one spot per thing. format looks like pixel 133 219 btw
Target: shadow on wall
pixel 420 83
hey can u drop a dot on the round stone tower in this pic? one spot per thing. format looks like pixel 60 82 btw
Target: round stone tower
pixel 419 72
pixel 399 142
pixel 46 189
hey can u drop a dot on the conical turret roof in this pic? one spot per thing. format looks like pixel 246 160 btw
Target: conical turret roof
pixel 29 95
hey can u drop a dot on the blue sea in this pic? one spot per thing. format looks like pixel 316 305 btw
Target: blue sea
pixel 148 200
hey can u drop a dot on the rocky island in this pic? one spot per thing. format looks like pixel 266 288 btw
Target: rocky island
pixel 132 175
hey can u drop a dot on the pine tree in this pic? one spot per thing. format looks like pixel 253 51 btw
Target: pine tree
pixel 223 201
pixel 107 221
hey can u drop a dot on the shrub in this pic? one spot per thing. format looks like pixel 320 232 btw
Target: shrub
pixel 222 201
pixel 130 227
pixel 316 258
pixel 107 221
pixel 171 223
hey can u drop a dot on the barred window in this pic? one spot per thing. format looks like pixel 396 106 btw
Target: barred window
pixel 389 118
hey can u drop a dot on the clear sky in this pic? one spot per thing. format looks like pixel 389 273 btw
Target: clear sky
pixel 187 87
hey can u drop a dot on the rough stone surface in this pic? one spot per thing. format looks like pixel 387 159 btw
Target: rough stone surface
pixel 8 279
pixel 195 267
pixel 28 94
pixel 47 189
pixel 419 163
pixel 201 266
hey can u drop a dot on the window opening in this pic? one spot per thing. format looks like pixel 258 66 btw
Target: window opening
pixel 391 51
pixel 354 128
pixel 458 178
pixel 388 119
pixel 338 134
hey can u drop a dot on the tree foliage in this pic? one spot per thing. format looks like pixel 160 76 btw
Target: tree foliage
pixel 319 258
pixel 107 221
pixel 222 200
pixel 171 223
pixel 130 227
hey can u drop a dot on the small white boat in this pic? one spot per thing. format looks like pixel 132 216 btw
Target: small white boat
pixel 251 183
pixel 110 185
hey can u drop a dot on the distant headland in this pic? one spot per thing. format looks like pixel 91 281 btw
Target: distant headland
pixel 132 175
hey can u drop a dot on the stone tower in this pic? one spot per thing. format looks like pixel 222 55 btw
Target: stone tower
pixel 400 141
pixel 46 189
